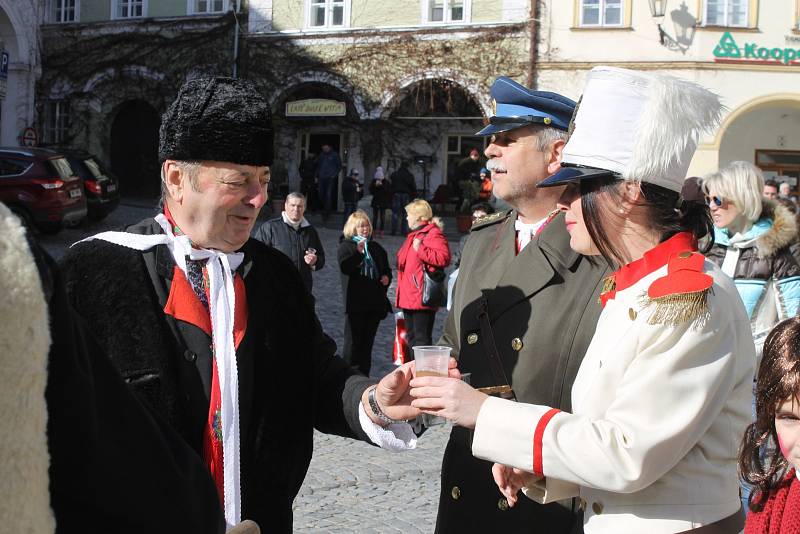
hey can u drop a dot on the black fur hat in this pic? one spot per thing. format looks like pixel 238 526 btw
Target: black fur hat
pixel 217 119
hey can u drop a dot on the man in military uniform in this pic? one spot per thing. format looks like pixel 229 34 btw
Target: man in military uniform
pixel 524 308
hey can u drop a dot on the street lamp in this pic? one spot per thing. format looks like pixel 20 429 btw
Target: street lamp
pixel 658 8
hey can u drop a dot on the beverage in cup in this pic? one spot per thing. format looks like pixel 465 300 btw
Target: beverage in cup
pixel 431 360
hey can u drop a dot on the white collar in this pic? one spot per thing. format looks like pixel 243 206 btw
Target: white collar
pixel 302 224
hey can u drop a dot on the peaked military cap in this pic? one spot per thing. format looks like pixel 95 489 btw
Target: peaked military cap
pixel 217 119
pixel 515 106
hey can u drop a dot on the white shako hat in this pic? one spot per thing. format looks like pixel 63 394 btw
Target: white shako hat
pixel 636 126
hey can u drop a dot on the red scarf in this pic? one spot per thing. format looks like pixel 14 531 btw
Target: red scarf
pixel 781 512
pixel 183 304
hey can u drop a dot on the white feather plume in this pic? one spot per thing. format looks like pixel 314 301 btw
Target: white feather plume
pixel 676 113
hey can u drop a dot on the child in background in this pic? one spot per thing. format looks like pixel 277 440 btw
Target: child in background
pixel 770 453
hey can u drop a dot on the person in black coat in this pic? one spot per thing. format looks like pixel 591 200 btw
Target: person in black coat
pixel 366 276
pixel 293 235
pixel 113 465
pixel 352 191
pixel 381 190
pixel 215 331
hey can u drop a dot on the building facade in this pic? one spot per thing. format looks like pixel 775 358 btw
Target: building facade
pixel 380 81
pixel 20 67
pixel 747 51
pixel 110 68
pixel 383 81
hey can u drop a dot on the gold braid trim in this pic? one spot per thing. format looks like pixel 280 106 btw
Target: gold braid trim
pixel 679 308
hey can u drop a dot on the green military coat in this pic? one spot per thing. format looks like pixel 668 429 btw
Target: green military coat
pixel 543 308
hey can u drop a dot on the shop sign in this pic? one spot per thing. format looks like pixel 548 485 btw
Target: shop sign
pixel 316 107
pixel 727 51
pixel 3 73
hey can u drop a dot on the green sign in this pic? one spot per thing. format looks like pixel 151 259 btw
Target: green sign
pixel 727 49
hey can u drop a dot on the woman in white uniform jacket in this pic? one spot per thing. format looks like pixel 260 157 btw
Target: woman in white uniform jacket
pixel 662 397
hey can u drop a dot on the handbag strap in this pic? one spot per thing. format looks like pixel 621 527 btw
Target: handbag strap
pixel 504 389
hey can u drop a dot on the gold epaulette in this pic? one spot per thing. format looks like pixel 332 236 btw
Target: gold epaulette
pixel 491 218
pixel 682 295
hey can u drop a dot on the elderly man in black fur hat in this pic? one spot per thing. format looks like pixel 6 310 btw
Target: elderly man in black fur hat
pixel 214 330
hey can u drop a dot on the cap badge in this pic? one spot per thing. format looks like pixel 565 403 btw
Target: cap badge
pixel 494 107
pixel 547 120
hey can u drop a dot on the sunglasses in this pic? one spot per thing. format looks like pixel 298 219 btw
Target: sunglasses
pixel 715 200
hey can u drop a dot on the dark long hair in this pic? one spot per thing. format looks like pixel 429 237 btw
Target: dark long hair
pixel 666 216
pixel 778 381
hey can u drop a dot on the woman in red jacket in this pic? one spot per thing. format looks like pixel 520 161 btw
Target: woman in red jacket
pixel 425 248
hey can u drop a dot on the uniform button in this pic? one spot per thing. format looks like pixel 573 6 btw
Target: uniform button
pixel 472 338
pixel 516 344
pixel 189 356
pixel 597 507
pixel 455 493
pixel 502 504
pixel 632 314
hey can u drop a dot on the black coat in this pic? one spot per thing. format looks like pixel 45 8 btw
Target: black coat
pixel 122 292
pixel 403 182
pixel 114 467
pixel 352 190
pixel 293 243
pixel 381 191
pixel 362 294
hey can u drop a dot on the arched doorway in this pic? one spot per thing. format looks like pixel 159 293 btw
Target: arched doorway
pixel 765 132
pixel 307 117
pixel 433 122
pixel 134 149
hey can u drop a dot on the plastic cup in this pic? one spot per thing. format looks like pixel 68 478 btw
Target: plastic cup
pixel 431 360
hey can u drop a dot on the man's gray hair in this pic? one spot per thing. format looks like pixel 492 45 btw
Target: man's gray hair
pixel 190 168
pixel 297 195
pixel 548 135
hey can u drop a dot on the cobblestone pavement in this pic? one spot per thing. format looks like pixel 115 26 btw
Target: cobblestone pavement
pixel 350 486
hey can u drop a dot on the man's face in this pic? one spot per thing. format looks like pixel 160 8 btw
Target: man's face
pixel 770 192
pixel 295 208
pixel 477 214
pixel 516 164
pixel 474 155
pixel 326 148
pixel 220 208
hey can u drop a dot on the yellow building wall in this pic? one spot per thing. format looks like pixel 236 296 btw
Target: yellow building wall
pixel 290 14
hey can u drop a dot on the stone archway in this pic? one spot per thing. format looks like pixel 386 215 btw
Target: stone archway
pixel 134 149
pixel 771 122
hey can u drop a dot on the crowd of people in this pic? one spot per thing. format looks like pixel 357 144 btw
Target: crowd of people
pixel 631 334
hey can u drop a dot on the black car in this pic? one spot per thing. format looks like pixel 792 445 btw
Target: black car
pixel 102 188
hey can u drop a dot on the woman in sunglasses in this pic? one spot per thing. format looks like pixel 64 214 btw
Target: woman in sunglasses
pixel 662 397
pixel 752 236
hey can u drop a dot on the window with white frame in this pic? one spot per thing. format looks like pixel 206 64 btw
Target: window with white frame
pixel 601 12
pixel 64 10
pixel 210 7
pixel 56 123
pixel 734 13
pixel 126 9
pixel 445 11
pixel 328 13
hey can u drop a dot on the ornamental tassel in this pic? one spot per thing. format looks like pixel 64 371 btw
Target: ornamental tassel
pixel 678 308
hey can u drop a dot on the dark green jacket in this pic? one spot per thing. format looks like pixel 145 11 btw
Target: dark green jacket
pixel 543 309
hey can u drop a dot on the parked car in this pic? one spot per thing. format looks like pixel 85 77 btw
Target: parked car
pixel 40 186
pixel 100 186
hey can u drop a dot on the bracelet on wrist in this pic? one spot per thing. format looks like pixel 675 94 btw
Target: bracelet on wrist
pixel 376 409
